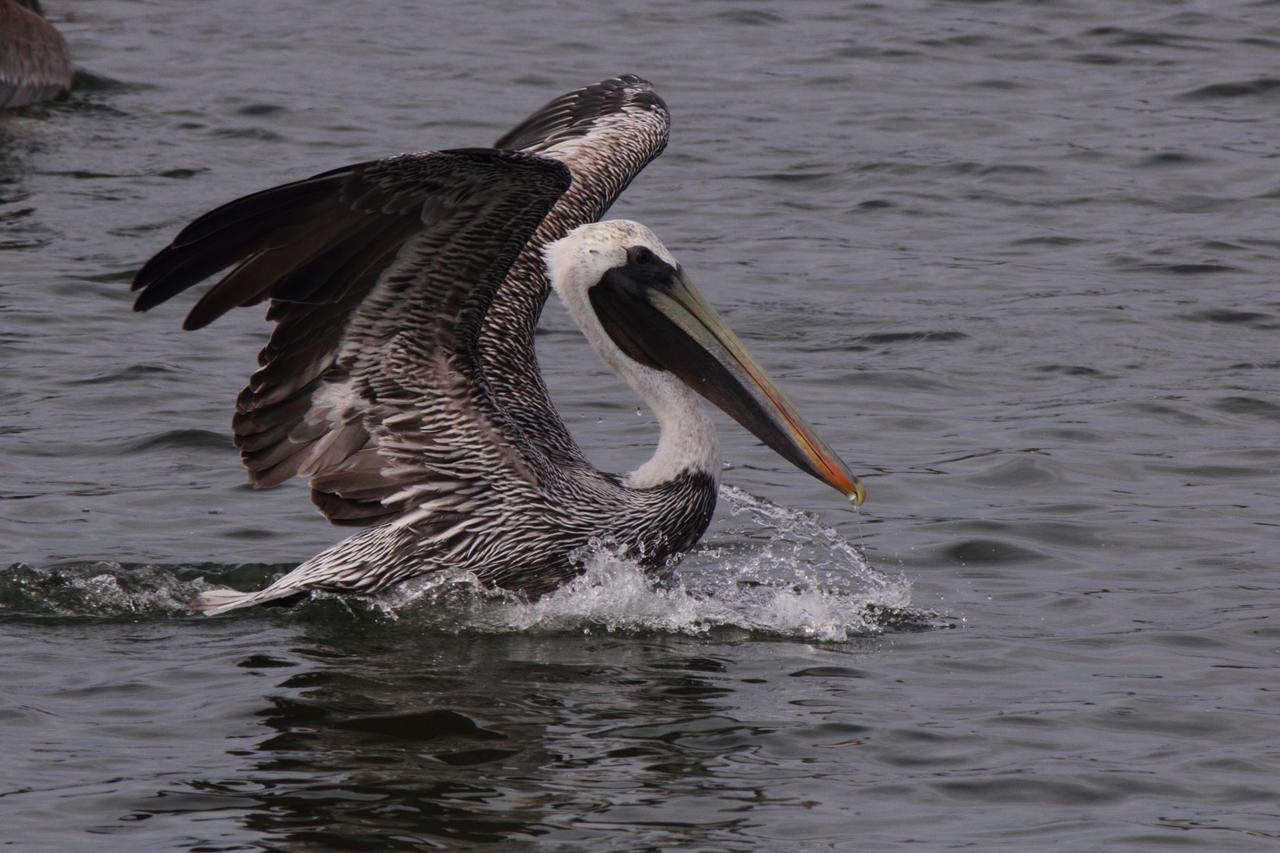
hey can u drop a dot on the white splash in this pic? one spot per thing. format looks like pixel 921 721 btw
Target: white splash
pixel 773 572
pixel 803 580
pixel 104 589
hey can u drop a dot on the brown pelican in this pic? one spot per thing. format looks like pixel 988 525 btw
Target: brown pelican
pixel 35 62
pixel 401 374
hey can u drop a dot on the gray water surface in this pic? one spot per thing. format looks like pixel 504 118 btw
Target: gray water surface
pixel 1017 260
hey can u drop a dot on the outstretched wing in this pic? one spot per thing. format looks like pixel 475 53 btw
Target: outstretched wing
pixel 35 62
pixel 380 276
pixel 605 133
pixel 322 250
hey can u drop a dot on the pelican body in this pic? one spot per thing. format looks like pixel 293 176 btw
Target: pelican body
pixel 401 375
pixel 35 62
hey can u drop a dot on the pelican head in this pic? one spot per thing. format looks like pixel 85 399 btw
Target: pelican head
pixel 648 322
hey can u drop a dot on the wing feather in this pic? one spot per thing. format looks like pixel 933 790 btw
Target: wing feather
pixel 605 133
pixel 379 277
pixel 405 294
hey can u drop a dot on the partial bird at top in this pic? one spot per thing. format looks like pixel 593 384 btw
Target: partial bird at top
pixel 401 375
pixel 35 62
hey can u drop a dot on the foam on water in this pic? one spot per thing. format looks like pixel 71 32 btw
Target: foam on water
pixel 101 589
pixel 785 575
pixel 795 578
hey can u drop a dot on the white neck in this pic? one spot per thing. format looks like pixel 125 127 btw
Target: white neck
pixel 687 441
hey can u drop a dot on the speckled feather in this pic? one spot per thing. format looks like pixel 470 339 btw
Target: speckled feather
pixel 605 134
pixel 401 374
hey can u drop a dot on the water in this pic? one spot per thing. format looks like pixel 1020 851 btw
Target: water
pixel 1016 259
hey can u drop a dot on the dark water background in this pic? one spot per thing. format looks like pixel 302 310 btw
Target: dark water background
pixel 1018 259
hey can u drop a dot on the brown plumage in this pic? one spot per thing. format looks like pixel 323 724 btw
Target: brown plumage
pixel 35 62
pixel 317 247
pixel 401 375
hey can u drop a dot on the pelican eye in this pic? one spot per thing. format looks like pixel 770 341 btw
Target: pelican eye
pixel 642 256
pixel 644 269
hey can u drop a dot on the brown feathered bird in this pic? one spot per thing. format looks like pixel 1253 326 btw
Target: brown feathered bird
pixel 35 62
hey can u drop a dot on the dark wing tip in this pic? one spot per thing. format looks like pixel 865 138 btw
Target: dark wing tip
pixel 574 113
pixel 229 234
pixel 313 220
